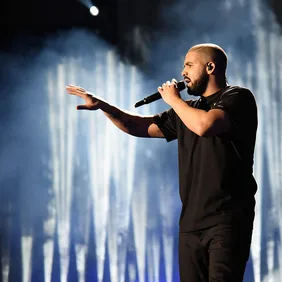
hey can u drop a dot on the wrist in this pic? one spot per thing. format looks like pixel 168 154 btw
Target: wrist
pixel 175 101
pixel 102 105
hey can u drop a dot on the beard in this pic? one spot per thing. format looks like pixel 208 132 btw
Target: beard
pixel 199 86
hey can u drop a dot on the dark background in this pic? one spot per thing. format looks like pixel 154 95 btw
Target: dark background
pixel 38 19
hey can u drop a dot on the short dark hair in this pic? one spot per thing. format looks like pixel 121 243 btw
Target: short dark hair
pixel 216 54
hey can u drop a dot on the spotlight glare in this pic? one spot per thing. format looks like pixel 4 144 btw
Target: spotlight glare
pixel 94 11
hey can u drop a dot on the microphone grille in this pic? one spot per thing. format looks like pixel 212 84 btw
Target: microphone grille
pixel 180 85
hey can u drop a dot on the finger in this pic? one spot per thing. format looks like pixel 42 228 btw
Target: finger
pixel 81 89
pixel 76 92
pixel 70 86
pixel 168 83
pixel 174 83
pixel 82 107
pixel 160 88
pixel 75 87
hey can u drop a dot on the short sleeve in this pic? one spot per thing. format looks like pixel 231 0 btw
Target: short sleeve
pixel 166 121
pixel 236 103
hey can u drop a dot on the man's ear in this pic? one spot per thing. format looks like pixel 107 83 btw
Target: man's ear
pixel 210 66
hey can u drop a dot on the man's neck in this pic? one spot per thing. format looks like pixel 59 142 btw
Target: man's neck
pixel 211 89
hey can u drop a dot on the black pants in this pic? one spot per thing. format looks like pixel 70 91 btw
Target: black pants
pixel 215 254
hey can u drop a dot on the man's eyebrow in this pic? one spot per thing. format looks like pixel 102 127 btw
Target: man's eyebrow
pixel 188 63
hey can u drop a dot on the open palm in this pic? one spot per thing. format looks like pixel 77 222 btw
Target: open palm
pixel 91 102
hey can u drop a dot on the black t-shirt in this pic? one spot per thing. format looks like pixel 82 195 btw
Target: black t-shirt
pixel 216 180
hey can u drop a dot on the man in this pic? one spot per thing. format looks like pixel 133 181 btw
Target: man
pixel 216 137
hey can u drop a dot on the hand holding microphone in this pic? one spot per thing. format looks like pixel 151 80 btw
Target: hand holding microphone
pixel 156 96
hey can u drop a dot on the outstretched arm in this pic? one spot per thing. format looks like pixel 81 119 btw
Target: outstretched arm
pixel 139 126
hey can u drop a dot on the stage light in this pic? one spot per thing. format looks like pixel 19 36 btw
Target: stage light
pixel 94 11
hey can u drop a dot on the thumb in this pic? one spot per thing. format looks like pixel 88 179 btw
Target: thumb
pixel 82 107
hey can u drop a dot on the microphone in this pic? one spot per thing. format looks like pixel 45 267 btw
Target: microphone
pixel 156 96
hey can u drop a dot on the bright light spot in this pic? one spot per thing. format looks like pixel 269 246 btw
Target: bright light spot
pixel 94 11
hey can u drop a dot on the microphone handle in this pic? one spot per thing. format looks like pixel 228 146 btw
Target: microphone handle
pixel 156 96
pixel 149 99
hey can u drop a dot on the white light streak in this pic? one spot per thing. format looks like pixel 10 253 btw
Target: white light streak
pixel 139 215
pixel 100 173
pixel 279 169
pixel 50 223
pixel 80 251
pixel 48 251
pixel 258 167
pixel 82 219
pixel 270 260
pixel 26 242
pixel 5 249
pixel 122 162
pixel 267 141
pixel 150 262
pixel 156 245
pixel 132 272
pixel 5 261
pixel 48 245
pixel 168 225
pixel 63 132
pixel 116 188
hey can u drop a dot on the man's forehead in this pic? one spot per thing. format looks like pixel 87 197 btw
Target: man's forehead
pixel 194 56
